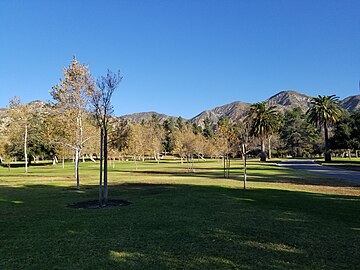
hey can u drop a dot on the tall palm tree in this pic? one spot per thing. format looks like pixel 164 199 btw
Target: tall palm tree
pixel 263 120
pixel 325 111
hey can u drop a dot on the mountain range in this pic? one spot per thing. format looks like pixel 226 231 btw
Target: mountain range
pixel 284 100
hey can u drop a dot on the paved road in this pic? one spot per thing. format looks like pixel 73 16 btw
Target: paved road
pixel 311 166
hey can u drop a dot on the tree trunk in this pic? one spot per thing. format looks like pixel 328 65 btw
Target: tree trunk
pixel 106 191
pixel 327 152
pixel 92 159
pixel 136 168
pixel 262 154
pixel 63 162
pixel 25 148
pixel 77 176
pixel 244 162
pixel 224 166
pixel 101 167
pixel 228 166
pixel 269 147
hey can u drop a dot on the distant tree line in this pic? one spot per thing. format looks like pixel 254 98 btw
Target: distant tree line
pixel 78 125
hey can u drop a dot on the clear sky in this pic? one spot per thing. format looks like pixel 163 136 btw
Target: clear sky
pixel 180 57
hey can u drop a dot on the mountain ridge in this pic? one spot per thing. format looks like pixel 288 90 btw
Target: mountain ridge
pixel 283 100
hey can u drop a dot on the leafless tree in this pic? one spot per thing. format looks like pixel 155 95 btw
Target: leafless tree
pixel 102 110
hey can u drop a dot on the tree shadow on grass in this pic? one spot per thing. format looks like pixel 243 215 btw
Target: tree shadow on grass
pixel 178 227
pixel 265 174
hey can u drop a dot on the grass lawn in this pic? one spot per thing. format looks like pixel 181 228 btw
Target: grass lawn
pixel 287 219
pixel 344 163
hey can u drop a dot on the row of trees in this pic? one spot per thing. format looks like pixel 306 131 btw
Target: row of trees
pixel 79 121
pixel 73 132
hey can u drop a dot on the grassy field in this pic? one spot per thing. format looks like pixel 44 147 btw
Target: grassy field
pixel 344 163
pixel 177 220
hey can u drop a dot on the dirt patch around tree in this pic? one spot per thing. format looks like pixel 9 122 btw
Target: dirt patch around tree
pixel 94 204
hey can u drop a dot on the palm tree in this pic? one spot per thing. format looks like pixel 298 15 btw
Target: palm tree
pixel 263 120
pixel 325 111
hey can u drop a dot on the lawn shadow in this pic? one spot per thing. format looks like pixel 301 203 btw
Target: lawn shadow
pixel 178 227
pixel 255 173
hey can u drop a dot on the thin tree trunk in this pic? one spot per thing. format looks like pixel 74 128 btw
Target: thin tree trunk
pixel 101 168
pixel 224 166
pixel 63 162
pixel 227 166
pixel 262 154
pixel 92 159
pixel 77 176
pixel 269 147
pixel 25 148
pixel 244 162
pixel 229 159
pixel 106 191
pixel 327 153
pixel 136 168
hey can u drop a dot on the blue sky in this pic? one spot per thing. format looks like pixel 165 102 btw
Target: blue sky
pixel 182 57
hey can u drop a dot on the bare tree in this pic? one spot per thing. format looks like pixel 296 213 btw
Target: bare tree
pixel 243 132
pixel 225 141
pixel 102 109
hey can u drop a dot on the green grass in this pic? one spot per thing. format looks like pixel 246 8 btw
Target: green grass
pixel 344 163
pixel 178 220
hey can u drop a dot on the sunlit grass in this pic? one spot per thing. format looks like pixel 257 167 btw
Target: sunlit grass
pixel 286 219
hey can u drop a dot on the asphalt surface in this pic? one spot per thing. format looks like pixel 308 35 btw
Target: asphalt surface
pixel 311 166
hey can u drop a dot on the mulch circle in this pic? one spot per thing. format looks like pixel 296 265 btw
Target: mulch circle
pixel 94 204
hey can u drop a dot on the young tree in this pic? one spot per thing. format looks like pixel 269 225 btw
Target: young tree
pixel 243 132
pixel 102 109
pixel 184 144
pixel 155 137
pixel 226 141
pixel 325 111
pixel 71 97
pixel 136 141
pixel 3 143
pixel 20 123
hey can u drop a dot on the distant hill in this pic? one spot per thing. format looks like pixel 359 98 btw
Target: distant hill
pixel 37 107
pixel 233 111
pixel 284 100
pixel 289 99
pixel 138 117
pixel 351 103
